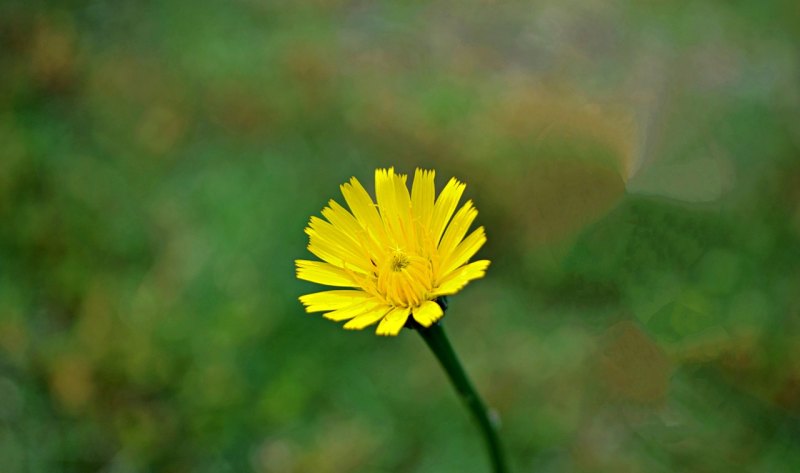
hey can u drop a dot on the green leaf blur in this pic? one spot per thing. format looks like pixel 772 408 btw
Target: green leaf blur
pixel 636 166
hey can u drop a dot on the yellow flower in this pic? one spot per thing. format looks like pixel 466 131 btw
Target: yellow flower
pixel 397 256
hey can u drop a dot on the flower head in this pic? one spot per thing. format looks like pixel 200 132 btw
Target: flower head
pixel 396 257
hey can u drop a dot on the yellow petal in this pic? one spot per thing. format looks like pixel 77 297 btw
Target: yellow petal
pixel 422 195
pixel 428 313
pixel 460 277
pixel 394 204
pixel 457 229
pixel 363 208
pixel 402 201
pixel 339 242
pixel 444 207
pixel 384 192
pixel 332 300
pixel 337 253
pixel 323 273
pixel 354 310
pixel 463 252
pixel 393 322
pixel 340 218
pixel 368 318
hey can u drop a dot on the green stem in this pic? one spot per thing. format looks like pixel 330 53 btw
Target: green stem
pixel 436 340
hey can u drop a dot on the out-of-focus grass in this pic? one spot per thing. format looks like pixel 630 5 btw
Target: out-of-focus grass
pixel 636 168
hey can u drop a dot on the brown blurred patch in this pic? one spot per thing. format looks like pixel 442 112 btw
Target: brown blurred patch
pixel 533 115
pixel 12 160
pixel 791 188
pixel 307 64
pixel 397 128
pixel 114 74
pixel 788 393
pixel 600 447
pixel 138 103
pixel 129 78
pixel 561 160
pixel 14 340
pixel 95 325
pixel 786 388
pixel 309 69
pixel 161 128
pixel 71 382
pixel 564 196
pixel 631 367
pixel 145 428
pixel 703 346
pixel 341 445
pixel 275 455
pixel 749 365
pixel 53 53
pixel 240 109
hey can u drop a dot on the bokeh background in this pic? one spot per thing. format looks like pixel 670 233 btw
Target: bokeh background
pixel 636 165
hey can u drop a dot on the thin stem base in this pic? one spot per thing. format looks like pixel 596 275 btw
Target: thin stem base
pixel 437 341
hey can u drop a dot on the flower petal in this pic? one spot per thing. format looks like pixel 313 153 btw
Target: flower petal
pixel 428 313
pixel 345 222
pixel 332 300
pixel 368 318
pixel 463 252
pixel 457 229
pixel 460 277
pixel 403 209
pixel 363 208
pixel 394 204
pixel 422 195
pixel 354 310
pixel 335 247
pixel 323 273
pixel 393 322
pixel 444 207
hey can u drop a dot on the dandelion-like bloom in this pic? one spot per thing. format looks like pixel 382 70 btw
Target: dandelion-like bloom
pixel 397 256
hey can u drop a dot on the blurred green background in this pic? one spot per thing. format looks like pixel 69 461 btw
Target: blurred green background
pixel 636 165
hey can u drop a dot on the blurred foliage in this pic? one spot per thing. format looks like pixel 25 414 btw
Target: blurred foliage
pixel 636 164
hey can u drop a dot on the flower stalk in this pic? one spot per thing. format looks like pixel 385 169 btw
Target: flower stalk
pixel 436 339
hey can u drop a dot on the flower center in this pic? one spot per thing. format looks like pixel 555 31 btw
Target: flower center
pixel 403 278
pixel 399 261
